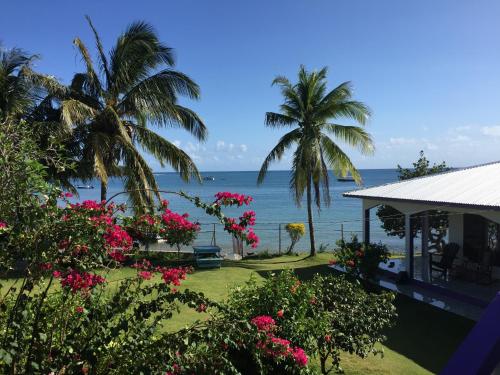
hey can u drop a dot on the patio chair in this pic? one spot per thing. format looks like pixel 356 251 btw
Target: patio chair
pixel 445 264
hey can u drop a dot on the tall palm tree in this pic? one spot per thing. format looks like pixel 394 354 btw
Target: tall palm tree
pixel 313 113
pixel 109 109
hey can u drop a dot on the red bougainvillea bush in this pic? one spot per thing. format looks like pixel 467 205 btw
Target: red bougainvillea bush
pixel 68 314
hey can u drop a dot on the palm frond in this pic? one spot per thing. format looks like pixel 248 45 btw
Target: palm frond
pixel 93 79
pixel 167 153
pixel 100 50
pixel 277 152
pixel 352 135
pixel 338 159
pixel 278 120
pixel 74 112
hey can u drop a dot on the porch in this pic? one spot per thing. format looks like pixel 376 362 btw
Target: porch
pixel 469 202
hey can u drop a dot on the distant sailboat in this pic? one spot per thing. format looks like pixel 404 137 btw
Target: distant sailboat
pixel 209 178
pixel 346 178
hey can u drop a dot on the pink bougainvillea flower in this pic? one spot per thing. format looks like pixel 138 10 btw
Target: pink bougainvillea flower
pixel 3 224
pixel 145 275
pixel 228 199
pixel 173 275
pixel 300 356
pixel 201 308
pixel 264 323
pixel 80 281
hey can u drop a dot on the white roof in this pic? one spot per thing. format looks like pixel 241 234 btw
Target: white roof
pixel 477 186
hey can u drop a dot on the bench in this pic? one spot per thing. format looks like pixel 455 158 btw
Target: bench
pixel 207 256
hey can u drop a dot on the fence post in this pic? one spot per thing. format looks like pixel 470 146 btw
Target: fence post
pixel 214 240
pixel 342 231
pixel 279 238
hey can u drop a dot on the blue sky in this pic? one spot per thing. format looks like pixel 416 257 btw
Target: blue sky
pixel 429 70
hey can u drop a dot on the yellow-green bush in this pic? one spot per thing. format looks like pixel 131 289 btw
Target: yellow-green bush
pixel 295 231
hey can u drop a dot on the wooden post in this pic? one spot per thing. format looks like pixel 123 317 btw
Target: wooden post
pixel 279 239
pixel 425 247
pixel 342 231
pixel 214 240
pixel 409 246
pixel 366 226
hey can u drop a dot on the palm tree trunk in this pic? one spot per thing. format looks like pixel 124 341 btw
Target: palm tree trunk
pixel 104 190
pixel 310 217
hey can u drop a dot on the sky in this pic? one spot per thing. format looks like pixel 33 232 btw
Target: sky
pixel 429 70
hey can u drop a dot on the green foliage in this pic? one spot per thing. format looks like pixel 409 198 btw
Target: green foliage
pixel 360 259
pixel 325 316
pixel 393 221
pixel 295 231
pixel 313 113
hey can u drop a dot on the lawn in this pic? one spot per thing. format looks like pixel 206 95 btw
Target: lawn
pixel 421 341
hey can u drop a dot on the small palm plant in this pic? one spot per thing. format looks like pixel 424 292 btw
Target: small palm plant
pixel 313 112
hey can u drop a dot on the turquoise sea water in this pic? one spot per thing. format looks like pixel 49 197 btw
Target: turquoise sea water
pixel 273 204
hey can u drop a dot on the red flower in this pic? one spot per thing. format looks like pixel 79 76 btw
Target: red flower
pixel 145 275
pixel 173 275
pixel 264 323
pixel 79 309
pixel 77 281
pixel 300 356
pixel 328 338
pixel 201 308
pixel 280 313
pixel 350 263
pixel 45 266
pixel 360 253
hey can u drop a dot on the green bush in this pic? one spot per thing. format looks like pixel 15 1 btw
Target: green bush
pixel 359 259
pixel 325 316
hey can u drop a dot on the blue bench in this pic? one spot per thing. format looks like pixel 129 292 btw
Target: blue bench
pixel 207 256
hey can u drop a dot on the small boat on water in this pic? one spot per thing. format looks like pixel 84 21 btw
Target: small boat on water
pixel 84 187
pixel 209 178
pixel 347 178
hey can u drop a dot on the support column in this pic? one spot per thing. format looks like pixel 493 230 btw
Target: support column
pixel 408 246
pixel 425 247
pixel 366 226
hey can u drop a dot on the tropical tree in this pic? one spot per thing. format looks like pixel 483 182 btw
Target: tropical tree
pixel 312 112
pixel 108 110
pixel 17 92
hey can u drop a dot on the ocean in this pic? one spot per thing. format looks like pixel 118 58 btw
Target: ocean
pixel 273 204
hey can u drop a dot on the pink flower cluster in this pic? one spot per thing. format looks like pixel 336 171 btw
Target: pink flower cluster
pixel 173 275
pixel 79 281
pixel 229 199
pixel 88 205
pixel 118 238
pixel 175 221
pixel 276 347
pixel 248 217
pixel 264 323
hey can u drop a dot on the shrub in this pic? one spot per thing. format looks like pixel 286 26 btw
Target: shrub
pixel 359 259
pixel 295 231
pixel 323 316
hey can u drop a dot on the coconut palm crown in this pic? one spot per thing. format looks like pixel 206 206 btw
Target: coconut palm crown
pixel 109 108
pixel 313 112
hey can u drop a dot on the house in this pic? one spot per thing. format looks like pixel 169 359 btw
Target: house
pixel 470 197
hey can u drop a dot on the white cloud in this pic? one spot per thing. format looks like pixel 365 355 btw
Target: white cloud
pixel 493 131
pixel 460 138
pixel 401 141
pixel 220 145
pixel 243 148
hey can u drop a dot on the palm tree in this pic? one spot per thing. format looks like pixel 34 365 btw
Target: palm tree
pixel 313 113
pixel 16 87
pixel 109 109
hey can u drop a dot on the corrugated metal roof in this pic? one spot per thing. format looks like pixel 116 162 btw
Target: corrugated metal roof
pixel 477 186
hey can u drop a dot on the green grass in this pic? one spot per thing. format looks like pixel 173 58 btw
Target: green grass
pixel 421 341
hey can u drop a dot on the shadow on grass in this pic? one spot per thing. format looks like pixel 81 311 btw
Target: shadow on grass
pixel 422 333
